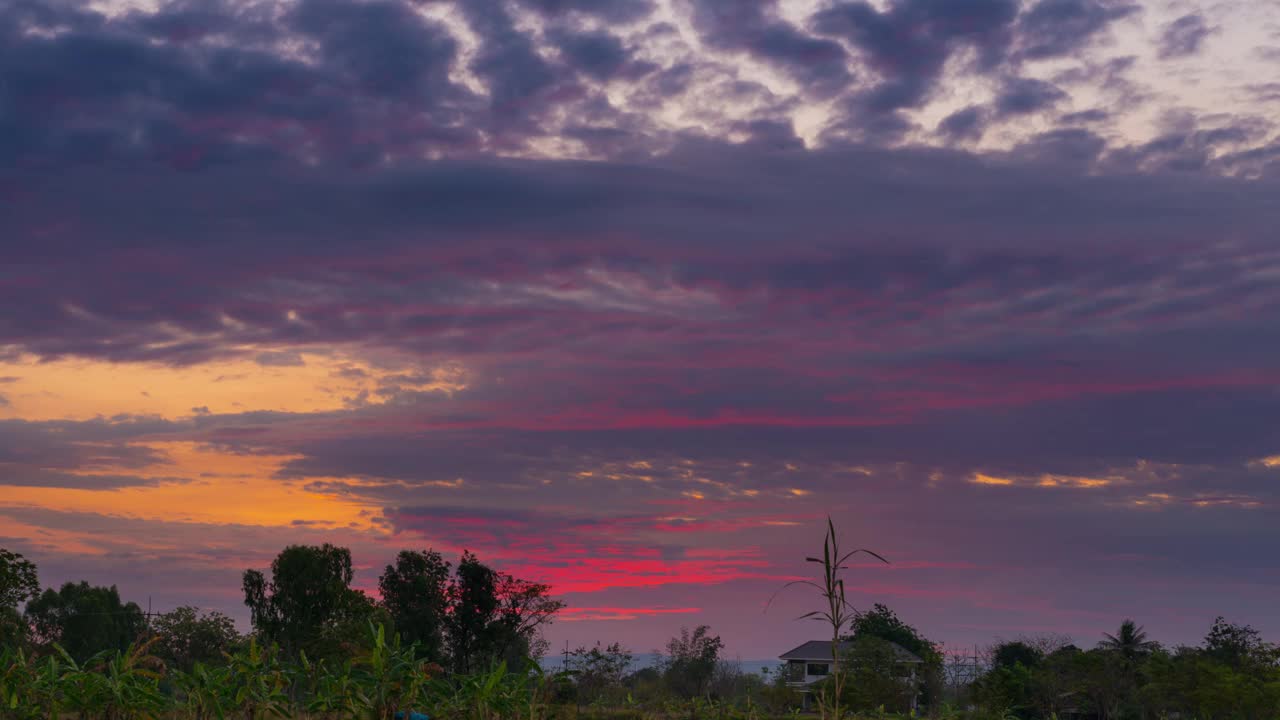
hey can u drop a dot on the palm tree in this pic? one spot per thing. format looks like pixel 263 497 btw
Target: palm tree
pixel 1131 642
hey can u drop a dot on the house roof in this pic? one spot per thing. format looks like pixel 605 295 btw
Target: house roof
pixel 821 650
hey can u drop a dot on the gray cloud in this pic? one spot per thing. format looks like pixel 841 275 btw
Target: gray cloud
pixel 1184 37
pixel 1056 28
pixel 1021 96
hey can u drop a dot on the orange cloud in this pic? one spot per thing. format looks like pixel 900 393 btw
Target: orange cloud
pixel 201 484
pixel 279 379
pixel 982 479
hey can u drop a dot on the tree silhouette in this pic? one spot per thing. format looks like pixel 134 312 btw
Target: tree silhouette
pixel 18 584
pixel 18 580
pixel 691 660
pixel 185 636
pixel 307 598
pixel 415 591
pixel 86 619
pixel 1130 642
pixel 493 616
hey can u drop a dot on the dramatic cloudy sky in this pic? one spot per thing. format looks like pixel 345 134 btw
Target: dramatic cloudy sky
pixel 627 295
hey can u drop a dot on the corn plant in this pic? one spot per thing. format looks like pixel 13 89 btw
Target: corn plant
pixel 837 614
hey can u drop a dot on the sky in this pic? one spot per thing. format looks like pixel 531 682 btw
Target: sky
pixel 628 296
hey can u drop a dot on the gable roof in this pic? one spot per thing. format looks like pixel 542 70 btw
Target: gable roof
pixel 821 650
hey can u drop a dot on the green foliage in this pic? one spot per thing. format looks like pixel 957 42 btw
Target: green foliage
pixel 1238 646
pixel 472 621
pixel 185 636
pixel 207 693
pixel 875 678
pixel 18 580
pixel 598 672
pixel 1130 642
pixel 1234 676
pixel 882 622
pixel 119 685
pixel 389 677
pixel 690 661
pixel 14 631
pixel 257 683
pixel 415 591
pixel 308 602
pixel 474 597
pixel 1007 655
pixel 493 617
pixel 85 620
pixel 496 695
pixel 129 685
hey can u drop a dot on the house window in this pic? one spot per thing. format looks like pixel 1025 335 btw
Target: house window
pixel 818 669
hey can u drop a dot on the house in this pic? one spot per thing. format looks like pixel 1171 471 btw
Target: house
pixel 811 662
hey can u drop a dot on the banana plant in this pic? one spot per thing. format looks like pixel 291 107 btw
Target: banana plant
pixel 130 684
pixel 536 690
pixel 471 697
pixel 335 693
pixel 79 688
pixel 207 693
pixel 389 677
pixel 19 681
pixel 31 689
pixel 258 684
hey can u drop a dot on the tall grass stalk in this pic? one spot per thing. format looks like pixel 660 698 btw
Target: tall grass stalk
pixel 837 613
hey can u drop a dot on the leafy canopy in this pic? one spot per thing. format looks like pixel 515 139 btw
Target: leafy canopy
pixel 86 619
pixel 308 597
pixel 18 580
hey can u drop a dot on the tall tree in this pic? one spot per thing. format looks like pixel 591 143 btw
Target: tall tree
pixel 473 595
pixel 18 580
pixel 415 591
pixel 524 607
pixel 1016 652
pixel 85 619
pixel 18 584
pixel 882 623
pixel 1237 646
pixel 690 661
pixel 308 596
pixel 876 676
pixel 598 670
pixel 494 617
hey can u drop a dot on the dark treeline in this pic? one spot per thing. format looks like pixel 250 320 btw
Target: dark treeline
pixel 461 640
pixel 1232 675
pixel 465 618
